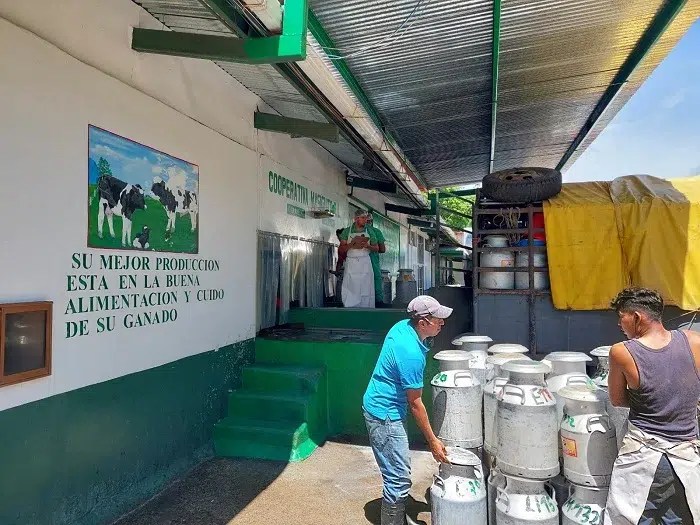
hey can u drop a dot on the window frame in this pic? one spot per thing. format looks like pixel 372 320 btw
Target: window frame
pixel 15 308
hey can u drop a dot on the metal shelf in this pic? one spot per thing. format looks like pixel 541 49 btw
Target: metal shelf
pixel 519 249
pixel 485 291
pixel 499 211
pixel 492 208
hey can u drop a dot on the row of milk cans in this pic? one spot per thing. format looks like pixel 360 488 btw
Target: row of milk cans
pixel 529 442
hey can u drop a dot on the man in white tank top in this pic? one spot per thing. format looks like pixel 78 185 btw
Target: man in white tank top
pixel 656 373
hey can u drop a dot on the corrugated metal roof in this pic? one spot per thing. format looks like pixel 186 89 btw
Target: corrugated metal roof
pixel 432 85
pixel 430 78
pixel 263 80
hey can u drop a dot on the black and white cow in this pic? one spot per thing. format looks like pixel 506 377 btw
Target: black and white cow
pixel 118 198
pixel 176 200
pixel 141 240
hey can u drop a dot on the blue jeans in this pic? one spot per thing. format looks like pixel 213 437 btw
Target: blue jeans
pixel 389 443
pixel 666 502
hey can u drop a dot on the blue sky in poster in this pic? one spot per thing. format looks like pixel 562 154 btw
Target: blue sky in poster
pixel 137 164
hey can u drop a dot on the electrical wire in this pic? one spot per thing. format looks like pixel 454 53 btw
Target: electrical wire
pixel 390 39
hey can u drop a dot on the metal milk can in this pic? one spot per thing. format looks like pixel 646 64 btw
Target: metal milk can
pixel 527 423
pixel 568 368
pixel 526 502
pixel 508 348
pixel 618 415
pixel 452 360
pixel 585 506
pixel 479 367
pixel 457 405
pixel 491 390
pixel 468 341
pixel 561 487
pixel 496 479
pixel 600 378
pixel 458 493
pixel 588 437
pixel 387 287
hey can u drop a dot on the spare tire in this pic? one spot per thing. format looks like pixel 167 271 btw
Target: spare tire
pixel 522 185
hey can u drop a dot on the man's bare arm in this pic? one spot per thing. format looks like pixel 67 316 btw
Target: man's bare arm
pixel 617 380
pixel 415 403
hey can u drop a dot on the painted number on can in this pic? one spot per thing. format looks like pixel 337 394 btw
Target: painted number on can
pixel 568 420
pixel 584 514
pixel 568 446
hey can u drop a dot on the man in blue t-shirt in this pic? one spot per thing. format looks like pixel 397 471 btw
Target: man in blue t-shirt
pixel 395 387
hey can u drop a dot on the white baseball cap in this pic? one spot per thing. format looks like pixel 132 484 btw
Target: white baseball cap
pixel 424 305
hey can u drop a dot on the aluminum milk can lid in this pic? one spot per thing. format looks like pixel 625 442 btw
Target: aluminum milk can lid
pixel 524 366
pixel 568 357
pixel 499 359
pixel 585 393
pixel 452 355
pixel 601 351
pixel 507 348
pixel 471 338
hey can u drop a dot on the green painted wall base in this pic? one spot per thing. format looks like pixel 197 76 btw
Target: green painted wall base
pixel 348 369
pixel 372 319
pixel 90 455
pixel 280 413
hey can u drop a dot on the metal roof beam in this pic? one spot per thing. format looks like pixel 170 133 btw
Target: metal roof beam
pixel 290 46
pixel 494 77
pixel 296 127
pixel 656 28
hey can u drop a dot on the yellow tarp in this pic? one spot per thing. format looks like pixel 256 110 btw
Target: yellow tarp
pixel 636 230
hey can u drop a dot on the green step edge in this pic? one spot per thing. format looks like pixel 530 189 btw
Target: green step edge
pixel 267 432
pixel 269 406
pixel 266 378
pixel 246 449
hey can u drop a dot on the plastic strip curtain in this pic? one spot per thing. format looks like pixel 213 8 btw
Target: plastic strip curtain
pixel 287 249
pixel 269 258
pixel 292 270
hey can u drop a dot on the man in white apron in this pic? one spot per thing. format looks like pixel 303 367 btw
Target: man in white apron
pixel 656 373
pixel 358 242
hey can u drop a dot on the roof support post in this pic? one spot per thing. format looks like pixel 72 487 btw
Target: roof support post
pixel 494 77
pixel 290 46
pixel 656 28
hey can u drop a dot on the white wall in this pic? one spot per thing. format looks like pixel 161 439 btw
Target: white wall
pixel 67 64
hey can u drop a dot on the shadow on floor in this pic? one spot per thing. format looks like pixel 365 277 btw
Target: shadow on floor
pixel 414 508
pixel 211 494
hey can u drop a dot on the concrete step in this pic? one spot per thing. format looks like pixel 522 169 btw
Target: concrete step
pixel 252 449
pixel 281 378
pixel 287 407
pixel 371 319
pixel 275 433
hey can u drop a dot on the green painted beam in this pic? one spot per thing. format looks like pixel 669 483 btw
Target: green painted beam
pixel 290 46
pixel 656 28
pixel 369 184
pixel 268 50
pixel 496 50
pixel 296 127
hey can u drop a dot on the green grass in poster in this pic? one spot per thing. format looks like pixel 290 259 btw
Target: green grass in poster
pixel 182 240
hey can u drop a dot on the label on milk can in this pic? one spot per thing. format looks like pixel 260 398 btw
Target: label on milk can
pixel 568 447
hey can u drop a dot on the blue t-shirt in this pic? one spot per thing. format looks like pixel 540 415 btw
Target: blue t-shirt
pixel 399 368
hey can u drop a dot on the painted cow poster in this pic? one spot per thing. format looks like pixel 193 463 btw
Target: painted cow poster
pixel 140 198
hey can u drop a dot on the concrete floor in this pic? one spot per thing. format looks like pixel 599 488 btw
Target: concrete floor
pixel 338 485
